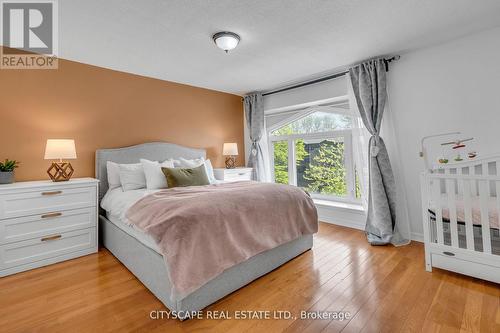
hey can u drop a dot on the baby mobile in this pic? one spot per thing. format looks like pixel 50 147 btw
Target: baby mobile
pixel 455 152
pixel 458 148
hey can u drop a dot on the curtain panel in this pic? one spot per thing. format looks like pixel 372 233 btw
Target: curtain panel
pixel 369 88
pixel 257 159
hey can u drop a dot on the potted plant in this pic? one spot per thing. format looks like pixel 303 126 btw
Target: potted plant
pixel 7 171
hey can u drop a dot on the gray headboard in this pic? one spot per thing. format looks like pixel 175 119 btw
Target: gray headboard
pixel 154 151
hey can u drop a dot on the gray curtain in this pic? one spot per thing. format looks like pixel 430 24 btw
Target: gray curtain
pixel 369 85
pixel 254 113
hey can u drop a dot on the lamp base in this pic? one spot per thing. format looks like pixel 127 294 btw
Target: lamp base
pixel 60 171
pixel 230 162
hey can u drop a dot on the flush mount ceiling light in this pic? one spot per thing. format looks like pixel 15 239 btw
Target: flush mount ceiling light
pixel 226 40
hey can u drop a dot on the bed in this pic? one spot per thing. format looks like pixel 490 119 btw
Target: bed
pixel 139 255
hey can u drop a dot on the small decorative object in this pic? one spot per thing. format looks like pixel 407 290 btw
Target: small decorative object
pixel 230 150
pixel 7 171
pixel 443 160
pixel 59 149
pixel 472 154
pixel 458 158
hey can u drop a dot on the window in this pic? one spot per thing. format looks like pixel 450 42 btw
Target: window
pixel 313 150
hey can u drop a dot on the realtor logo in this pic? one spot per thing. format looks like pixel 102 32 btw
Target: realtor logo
pixel 29 32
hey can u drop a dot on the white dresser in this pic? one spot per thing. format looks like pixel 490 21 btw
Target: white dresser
pixel 233 175
pixel 43 222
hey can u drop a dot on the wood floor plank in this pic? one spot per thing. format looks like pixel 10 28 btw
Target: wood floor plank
pixel 385 289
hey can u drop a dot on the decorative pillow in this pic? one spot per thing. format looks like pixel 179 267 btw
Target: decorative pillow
pixel 155 179
pixel 132 176
pixel 180 177
pixel 184 163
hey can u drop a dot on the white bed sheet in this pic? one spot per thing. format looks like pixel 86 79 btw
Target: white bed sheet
pixel 116 202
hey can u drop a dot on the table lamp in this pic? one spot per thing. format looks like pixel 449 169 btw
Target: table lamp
pixel 230 150
pixel 59 149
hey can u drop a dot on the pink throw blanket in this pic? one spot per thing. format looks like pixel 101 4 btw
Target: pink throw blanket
pixel 204 230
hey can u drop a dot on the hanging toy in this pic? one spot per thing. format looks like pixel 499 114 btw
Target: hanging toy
pixel 443 159
pixel 458 143
pixel 458 158
pixel 471 154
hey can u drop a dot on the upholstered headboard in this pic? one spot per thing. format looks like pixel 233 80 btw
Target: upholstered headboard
pixel 154 151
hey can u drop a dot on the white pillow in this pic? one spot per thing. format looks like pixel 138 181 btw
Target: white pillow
pixel 184 163
pixel 209 169
pixel 113 170
pixel 113 175
pixel 155 178
pixel 132 176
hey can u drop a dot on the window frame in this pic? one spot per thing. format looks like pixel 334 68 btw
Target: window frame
pixel 292 165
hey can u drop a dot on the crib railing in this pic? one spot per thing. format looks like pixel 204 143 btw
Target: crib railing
pixel 477 185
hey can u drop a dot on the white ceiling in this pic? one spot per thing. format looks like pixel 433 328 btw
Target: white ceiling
pixel 281 40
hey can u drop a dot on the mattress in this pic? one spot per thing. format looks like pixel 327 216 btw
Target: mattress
pixel 116 202
pixel 476 210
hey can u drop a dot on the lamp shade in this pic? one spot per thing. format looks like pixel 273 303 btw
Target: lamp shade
pixel 60 149
pixel 230 149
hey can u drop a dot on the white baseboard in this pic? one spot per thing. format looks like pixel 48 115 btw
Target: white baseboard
pixel 341 216
pixel 351 218
pixel 417 236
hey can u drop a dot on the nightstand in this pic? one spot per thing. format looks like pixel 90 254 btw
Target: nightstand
pixel 233 175
pixel 44 222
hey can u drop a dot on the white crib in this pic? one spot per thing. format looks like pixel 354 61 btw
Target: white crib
pixel 461 208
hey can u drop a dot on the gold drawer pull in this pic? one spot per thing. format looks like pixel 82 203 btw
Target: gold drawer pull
pixel 45 216
pixel 44 239
pixel 51 193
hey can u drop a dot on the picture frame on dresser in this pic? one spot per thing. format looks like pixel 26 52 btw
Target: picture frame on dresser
pixel 45 222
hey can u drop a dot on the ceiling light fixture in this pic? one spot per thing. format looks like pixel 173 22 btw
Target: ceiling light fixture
pixel 226 40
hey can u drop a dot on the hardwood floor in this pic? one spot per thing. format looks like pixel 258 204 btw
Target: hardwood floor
pixel 385 289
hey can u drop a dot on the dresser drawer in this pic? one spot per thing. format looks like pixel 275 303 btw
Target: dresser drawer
pixel 40 201
pixel 232 175
pixel 50 245
pixel 35 226
pixel 236 176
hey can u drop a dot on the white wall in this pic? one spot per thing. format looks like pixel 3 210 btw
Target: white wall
pixel 445 88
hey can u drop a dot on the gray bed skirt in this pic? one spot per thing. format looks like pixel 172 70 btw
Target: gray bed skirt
pixel 148 266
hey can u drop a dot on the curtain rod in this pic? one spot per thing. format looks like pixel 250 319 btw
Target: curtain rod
pixel 326 78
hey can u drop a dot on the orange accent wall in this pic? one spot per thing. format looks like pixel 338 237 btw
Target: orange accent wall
pixel 102 108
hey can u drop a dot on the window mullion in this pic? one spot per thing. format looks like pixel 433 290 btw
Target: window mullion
pixel 349 165
pixel 271 160
pixel 292 172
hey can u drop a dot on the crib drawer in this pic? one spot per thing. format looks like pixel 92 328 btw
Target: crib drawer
pixel 472 268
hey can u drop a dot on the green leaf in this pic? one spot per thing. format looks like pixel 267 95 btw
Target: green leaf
pixel 8 165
